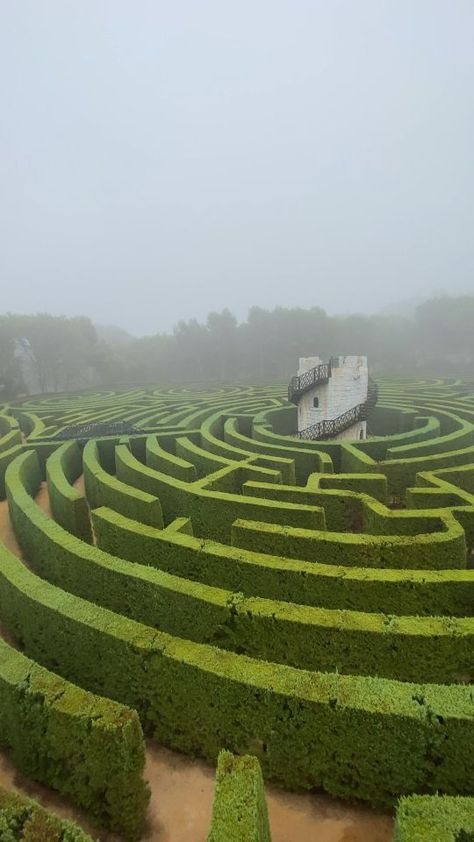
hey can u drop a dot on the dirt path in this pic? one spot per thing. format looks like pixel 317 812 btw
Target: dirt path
pixel 181 807
pixel 182 789
pixel 80 485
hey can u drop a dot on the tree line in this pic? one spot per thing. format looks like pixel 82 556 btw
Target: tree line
pixel 40 353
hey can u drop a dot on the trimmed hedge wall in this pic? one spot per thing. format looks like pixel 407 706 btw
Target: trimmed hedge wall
pixel 424 592
pixel 298 643
pixel 86 747
pixel 432 551
pixel 314 638
pixel 104 489
pixel 430 649
pixel 213 512
pixel 239 812
pixel 7 456
pixel 25 820
pixel 213 426
pixel 68 505
pixel 161 460
pixel 367 738
pixel 422 818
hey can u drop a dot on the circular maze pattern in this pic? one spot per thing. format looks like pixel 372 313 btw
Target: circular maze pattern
pixel 207 578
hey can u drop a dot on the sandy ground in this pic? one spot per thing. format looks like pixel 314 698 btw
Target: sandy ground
pixel 79 484
pixel 182 788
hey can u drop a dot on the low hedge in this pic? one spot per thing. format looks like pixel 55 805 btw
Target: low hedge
pixel 7 456
pixel 24 820
pixel 214 425
pixel 423 592
pixel 374 485
pixel 457 439
pixel 104 489
pixel 239 813
pixel 431 551
pixel 306 460
pixel 212 513
pixel 30 424
pixel 68 505
pixel 10 433
pixel 84 746
pixel 314 638
pixel 342 509
pixel 204 461
pixel 401 473
pixel 169 463
pixel 422 818
pixel 368 738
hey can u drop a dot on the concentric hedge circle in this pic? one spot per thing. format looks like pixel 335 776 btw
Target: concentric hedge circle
pixel 306 602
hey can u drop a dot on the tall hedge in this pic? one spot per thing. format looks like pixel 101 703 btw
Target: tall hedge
pixel 422 818
pixel 84 746
pixel 24 820
pixel 240 809
pixel 359 737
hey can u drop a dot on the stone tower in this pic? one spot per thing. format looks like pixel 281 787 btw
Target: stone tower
pixel 331 397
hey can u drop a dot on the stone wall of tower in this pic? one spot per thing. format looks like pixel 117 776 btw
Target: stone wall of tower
pixel 347 387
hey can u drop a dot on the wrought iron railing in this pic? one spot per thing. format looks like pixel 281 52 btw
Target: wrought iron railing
pixel 301 383
pixel 327 429
pixel 84 432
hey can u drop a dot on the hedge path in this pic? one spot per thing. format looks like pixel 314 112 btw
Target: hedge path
pixel 310 602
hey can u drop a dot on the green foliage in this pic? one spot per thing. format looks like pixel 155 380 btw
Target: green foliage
pixel 308 603
pixel 434 819
pixel 68 505
pixel 86 747
pixel 240 810
pixel 24 820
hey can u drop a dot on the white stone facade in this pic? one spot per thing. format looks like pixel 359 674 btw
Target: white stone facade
pixel 347 387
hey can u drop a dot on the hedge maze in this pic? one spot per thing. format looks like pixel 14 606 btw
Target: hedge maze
pixel 210 580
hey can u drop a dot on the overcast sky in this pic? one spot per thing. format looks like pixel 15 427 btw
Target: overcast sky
pixel 160 160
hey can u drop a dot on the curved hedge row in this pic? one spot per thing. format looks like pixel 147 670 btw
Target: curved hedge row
pixel 240 809
pixel 308 603
pixel 68 505
pixel 409 648
pixel 22 818
pixel 80 744
pixel 421 818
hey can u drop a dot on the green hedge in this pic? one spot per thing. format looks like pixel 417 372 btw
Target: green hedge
pixel 239 813
pixel 213 426
pixel 212 513
pixel 422 818
pixel 24 820
pixel 314 638
pixel 104 489
pixel 84 746
pixel 374 485
pixel 10 433
pixel 430 649
pixel 342 509
pixel 401 473
pixel 424 592
pixel 7 456
pixel 306 460
pixel 161 460
pixel 68 505
pixel 432 551
pixel 367 738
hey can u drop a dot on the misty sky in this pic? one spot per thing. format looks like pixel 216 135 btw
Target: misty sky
pixel 159 160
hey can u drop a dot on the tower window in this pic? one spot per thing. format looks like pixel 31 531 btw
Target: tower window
pixel 315 403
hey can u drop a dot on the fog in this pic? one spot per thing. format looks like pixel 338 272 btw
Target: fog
pixel 160 160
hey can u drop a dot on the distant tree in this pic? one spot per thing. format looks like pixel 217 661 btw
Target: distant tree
pixel 68 354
